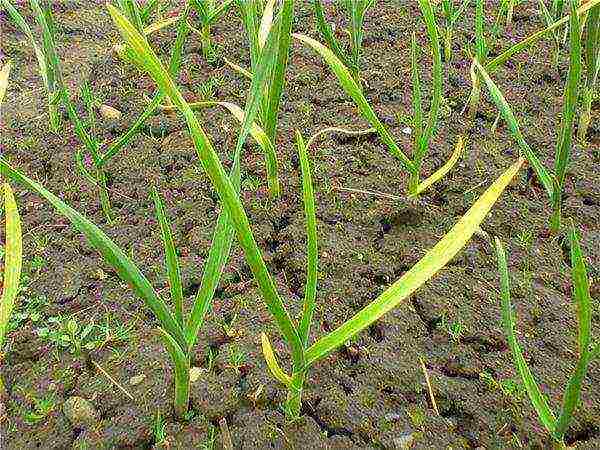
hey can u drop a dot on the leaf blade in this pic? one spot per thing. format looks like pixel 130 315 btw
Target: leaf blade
pixel 13 260
pixel 433 261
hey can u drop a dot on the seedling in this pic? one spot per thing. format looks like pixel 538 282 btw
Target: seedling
pixel 42 408
pixel 451 15
pixel 526 43
pixel 297 335
pixel 60 94
pixel 549 19
pixel 423 132
pixel 260 24
pixel 356 10
pixel 51 79
pixel 554 182
pixel 209 12
pixel 159 429
pixel 179 334
pixel 557 427
pixel 68 334
pixel 506 10
pixel 481 55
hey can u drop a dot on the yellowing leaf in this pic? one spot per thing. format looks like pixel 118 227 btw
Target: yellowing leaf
pixel 434 260
pixel 272 361
pixel 13 259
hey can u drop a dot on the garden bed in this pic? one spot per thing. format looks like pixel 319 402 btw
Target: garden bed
pixel 370 394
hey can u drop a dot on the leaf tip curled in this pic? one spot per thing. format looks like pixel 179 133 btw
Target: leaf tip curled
pixel 272 363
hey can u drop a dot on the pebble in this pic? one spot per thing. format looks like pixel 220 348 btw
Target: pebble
pixel 80 412
pixel 405 441
pixel 195 373
pixel 137 379
pixel 110 113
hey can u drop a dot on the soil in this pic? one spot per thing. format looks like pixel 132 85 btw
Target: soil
pixel 371 393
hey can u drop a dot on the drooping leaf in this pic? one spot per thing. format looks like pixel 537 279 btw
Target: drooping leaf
pixel 434 260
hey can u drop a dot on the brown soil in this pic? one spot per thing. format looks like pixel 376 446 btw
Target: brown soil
pixel 372 393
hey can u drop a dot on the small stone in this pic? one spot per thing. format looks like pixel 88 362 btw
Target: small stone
pixel 80 412
pixel 101 274
pixel 195 373
pixel 137 379
pixel 407 130
pixel 405 441
pixel 110 113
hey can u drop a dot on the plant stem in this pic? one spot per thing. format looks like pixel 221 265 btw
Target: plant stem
pixel 414 180
pixel 555 219
pixel 207 49
pixel 182 391
pixel 293 403
pixel 54 117
pixel 104 197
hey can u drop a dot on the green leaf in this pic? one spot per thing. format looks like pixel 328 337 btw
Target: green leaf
pixel 581 292
pixel 420 273
pixel 353 90
pixel 13 260
pixel 513 126
pixel 26 30
pixel 416 90
pixel 223 235
pixel 563 148
pixel 481 49
pixel 171 259
pixel 308 198
pixel 174 67
pixel 276 80
pixel 327 34
pixel 214 169
pixel 535 395
pixel 499 60
pixel 436 101
pixel 112 254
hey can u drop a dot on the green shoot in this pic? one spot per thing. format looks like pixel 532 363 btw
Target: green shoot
pixel 356 11
pixel 592 60
pixel 549 20
pixel 553 183
pixel 557 427
pixel 84 129
pixel 178 333
pixel 481 54
pixel 499 60
pixel 260 24
pixel 506 10
pixel 48 73
pixel 451 15
pixel 424 131
pixel 302 358
pixel 209 12
pixel 424 134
